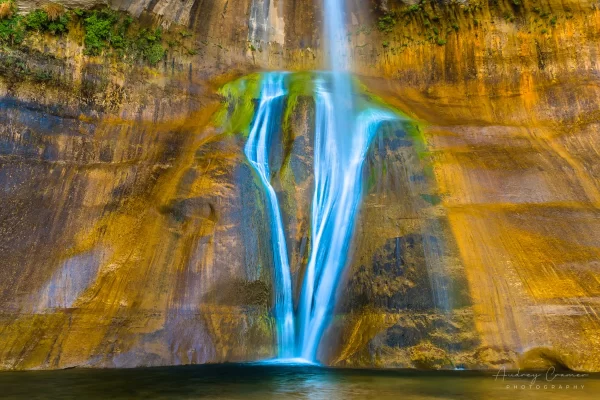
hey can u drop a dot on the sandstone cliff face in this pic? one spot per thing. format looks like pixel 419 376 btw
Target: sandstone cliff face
pixel 132 229
pixel 117 232
pixel 512 134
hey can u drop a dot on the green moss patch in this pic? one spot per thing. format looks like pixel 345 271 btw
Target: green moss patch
pixel 106 32
pixel 237 111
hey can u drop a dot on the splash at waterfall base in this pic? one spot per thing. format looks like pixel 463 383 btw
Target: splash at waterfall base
pixel 312 181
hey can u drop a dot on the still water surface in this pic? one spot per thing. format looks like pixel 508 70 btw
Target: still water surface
pixel 280 382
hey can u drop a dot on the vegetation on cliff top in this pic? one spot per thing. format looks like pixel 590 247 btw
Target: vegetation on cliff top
pixel 51 18
pixel 430 21
pixel 11 30
pixel 108 30
pixel 105 32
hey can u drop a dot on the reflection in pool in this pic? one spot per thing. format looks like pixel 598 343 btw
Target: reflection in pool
pixel 264 381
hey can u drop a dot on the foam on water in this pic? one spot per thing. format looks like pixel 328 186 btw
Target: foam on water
pixel 287 361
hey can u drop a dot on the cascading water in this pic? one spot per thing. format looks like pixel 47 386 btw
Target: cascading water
pixel 342 139
pixel 266 122
pixel 332 133
pixel 338 163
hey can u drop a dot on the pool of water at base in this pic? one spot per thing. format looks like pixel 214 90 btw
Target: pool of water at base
pixel 257 381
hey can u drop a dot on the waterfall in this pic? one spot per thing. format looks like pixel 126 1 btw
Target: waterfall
pixel 343 135
pixel 335 167
pixel 338 165
pixel 266 122
pixel 342 139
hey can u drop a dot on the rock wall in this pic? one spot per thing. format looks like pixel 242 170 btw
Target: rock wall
pixel 132 230
pixel 512 135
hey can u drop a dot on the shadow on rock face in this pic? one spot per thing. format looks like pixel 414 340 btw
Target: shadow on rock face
pixel 543 358
pixel 395 280
pixel 240 292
